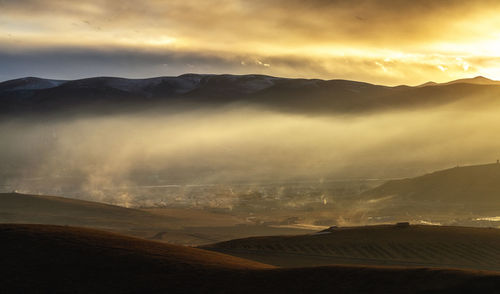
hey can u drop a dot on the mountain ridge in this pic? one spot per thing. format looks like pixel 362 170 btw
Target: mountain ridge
pixel 106 95
pixel 478 80
pixel 32 79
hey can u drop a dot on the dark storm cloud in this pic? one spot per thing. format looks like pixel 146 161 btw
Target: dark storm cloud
pixel 74 63
pixel 64 63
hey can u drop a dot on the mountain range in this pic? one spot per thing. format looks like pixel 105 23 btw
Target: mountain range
pixel 104 95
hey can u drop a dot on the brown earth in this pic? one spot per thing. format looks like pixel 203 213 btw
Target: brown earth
pixel 58 259
pixel 177 226
pixel 412 245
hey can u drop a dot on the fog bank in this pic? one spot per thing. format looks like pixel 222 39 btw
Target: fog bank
pixel 240 144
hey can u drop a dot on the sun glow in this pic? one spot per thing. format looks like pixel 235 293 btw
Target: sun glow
pixel 405 44
pixel 161 40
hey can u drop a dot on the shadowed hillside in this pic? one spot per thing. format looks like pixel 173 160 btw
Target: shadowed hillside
pixel 415 245
pixel 476 188
pixel 52 259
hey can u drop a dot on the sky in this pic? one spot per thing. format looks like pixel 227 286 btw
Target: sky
pixel 388 42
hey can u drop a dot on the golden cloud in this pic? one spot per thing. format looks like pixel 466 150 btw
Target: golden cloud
pixel 384 41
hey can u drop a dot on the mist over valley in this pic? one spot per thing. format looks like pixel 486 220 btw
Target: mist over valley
pixel 213 142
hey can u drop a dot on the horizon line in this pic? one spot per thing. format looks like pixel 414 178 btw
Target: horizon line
pixel 251 74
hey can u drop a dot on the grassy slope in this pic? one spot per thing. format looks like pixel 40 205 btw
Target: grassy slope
pixel 417 245
pixel 54 259
pixel 38 207
pixel 478 184
pixel 21 208
pixel 85 260
pixel 181 226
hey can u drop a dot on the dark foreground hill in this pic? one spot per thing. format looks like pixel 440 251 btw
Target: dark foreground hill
pixel 402 245
pixel 105 95
pixel 54 259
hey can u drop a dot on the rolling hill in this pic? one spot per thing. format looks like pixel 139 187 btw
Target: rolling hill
pixel 459 196
pixel 105 95
pixel 54 259
pixel 402 245
pixel 40 258
pixel 23 208
pixel 179 226
pixel 476 188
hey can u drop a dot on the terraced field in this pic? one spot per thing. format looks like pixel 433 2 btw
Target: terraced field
pixel 415 245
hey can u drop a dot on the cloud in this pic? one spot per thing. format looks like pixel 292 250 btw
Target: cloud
pixel 387 21
pixel 62 63
pixel 307 33
pixel 82 62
